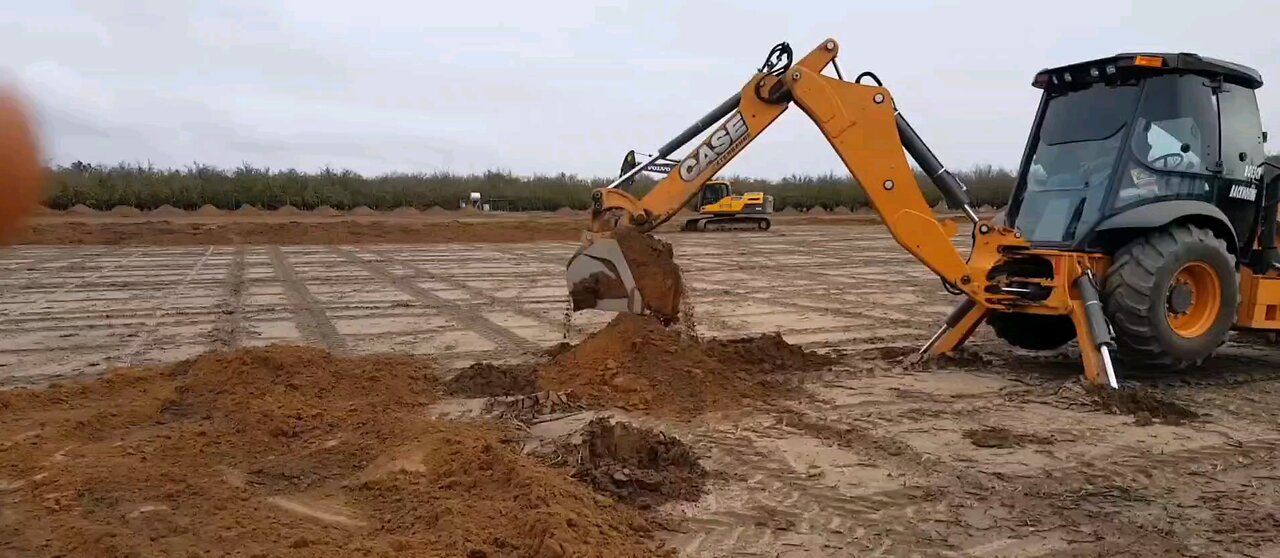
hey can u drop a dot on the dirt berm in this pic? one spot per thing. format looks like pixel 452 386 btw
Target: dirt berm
pixel 636 363
pixel 283 451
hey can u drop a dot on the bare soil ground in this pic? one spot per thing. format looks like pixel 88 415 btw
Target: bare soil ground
pixel 204 227
pixel 729 448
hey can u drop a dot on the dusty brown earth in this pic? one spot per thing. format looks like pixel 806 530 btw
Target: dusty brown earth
pixel 285 451
pixel 994 452
pixel 209 226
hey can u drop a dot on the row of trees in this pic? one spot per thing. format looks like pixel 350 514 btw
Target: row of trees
pixel 148 187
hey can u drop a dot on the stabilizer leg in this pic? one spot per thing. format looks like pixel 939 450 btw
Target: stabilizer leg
pixel 960 325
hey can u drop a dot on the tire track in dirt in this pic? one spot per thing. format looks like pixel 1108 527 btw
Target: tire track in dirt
pixel 226 334
pixel 486 328
pixel 308 312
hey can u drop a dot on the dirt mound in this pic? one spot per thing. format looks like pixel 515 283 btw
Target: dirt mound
pixel 125 211
pixel 436 210
pixel 634 465
pixel 208 210
pixel 565 211
pixel 81 209
pixel 405 212
pixel 841 210
pixel 283 450
pixel 326 211
pixel 789 211
pixel 484 379
pixel 246 209
pixel 288 210
pixel 1145 405
pixel 636 363
pixel 166 210
pixel 1003 438
pixel 362 211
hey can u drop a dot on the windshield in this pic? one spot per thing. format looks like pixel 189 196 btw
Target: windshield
pixel 1075 154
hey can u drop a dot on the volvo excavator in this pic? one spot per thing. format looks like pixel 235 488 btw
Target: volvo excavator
pixel 1142 224
pixel 719 209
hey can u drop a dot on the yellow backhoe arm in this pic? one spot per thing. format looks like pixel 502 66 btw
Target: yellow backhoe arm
pixel 863 127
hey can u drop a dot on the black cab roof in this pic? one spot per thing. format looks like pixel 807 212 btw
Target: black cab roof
pixel 1149 62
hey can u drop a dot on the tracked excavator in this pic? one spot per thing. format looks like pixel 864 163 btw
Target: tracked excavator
pixel 1142 224
pixel 719 209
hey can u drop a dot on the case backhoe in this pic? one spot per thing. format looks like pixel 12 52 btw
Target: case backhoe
pixel 1140 224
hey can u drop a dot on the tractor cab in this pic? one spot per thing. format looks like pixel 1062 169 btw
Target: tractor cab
pixel 1136 141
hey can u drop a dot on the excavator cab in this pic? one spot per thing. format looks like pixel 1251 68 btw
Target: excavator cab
pixel 712 192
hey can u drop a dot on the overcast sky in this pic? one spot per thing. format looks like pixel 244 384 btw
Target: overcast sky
pixel 544 87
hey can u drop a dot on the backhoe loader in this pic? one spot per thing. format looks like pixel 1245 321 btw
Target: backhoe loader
pixel 1141 224
pixel 719 209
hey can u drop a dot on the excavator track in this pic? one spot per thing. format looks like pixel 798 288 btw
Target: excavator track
pixel 728 223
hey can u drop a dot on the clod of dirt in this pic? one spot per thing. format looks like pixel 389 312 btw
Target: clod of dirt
pixel 1145 405
pixel 655 271
pixel 592 288
pixel 270 450
pixel 530 406
pixel 166 210
pixel 125 211
pixel 636 363
pixel 484 379
pixel 634 465
pixel 1003 438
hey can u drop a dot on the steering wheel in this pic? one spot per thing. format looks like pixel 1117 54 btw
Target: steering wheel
pixel 1168 156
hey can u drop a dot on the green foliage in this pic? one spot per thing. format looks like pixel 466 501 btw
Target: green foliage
pixel 147 187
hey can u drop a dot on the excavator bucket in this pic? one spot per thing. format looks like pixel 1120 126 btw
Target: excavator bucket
pixel 625 271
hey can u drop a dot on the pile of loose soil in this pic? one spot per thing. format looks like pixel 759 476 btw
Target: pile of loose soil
pixel 484 379
pixel 125 211
pixel 1003 438
pixel 634 465
pixel 405 212
pixel 283 451
pixel 636 363
pixel 436 210
pixel 326 211
pixel 288 210
pixel 362 211
pixel 1145 405
pixel 166 210
pixel 81 209
pixel 208 210
pixel 565 211
pixel 246 209
pixel 789 211
pixel 841 210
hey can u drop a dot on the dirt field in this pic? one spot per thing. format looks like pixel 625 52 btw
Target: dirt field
pixel 991 453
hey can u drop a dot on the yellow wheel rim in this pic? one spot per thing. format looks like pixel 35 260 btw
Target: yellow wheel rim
pixel 1194 300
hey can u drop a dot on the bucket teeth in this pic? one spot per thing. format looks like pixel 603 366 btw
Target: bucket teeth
pixel 599 277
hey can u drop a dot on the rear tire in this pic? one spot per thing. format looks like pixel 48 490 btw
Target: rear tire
pixel 1171 297
pixel 1033 332
pixel 765 224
